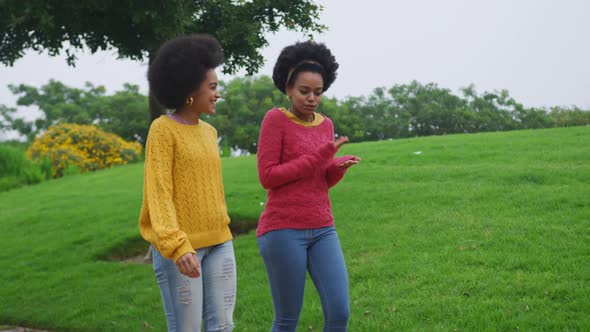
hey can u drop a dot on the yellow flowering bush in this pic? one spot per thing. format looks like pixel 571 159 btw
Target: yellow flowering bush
pixel 84 147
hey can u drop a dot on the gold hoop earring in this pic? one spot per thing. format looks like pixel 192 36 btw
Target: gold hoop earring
pixel 189 101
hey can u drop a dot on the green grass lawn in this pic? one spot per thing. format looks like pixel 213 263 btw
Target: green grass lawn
pixel 477 232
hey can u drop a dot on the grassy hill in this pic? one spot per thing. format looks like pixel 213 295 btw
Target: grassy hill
pixel 487 231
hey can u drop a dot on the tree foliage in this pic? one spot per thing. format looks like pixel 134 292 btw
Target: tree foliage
pixel 241 109
pixel 123 113
pixel 404 110
pixel 137 28
pixel 567 117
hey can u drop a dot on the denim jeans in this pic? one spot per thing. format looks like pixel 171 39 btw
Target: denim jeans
pixel 288 254
pixel 210 298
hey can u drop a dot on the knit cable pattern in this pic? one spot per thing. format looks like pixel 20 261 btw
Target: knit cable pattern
pixel 184 203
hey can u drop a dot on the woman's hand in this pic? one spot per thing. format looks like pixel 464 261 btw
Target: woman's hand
pixel 188 264
pixel 352 161
pixel 349 162
pixel 340 141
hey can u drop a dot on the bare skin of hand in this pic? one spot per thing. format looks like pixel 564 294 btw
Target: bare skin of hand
pixel 349 162
pixel 188 264
pixel 340 141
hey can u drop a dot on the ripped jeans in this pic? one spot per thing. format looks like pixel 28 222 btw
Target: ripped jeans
pixel 210 298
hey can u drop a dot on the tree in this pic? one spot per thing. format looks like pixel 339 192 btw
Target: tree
pixel 345 116
pixel 493 111
pixel 387 117
pixel 137 28
pixel 6 118
pixel 122 113
pixel 566 117
pixel 241 109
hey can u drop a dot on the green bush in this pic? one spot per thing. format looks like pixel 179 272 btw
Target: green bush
pixel 16 170
pixel 11 160
pixel 71 170
pixel 32 174
pixel 46 168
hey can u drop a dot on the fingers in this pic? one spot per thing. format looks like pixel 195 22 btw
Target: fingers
pixel 183 266
pixel 349 163
pixel 195 266
pixel 355 159
pixel 189 265
pixel 340 141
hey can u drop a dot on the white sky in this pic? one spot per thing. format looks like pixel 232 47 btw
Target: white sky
pixel 539 50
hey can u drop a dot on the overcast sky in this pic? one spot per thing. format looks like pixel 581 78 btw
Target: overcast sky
pixel 539 50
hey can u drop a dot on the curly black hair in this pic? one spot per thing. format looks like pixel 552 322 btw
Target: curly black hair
pixel 180 66
pixel 302 57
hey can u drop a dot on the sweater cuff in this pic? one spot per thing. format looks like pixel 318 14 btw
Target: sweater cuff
pixel 183 249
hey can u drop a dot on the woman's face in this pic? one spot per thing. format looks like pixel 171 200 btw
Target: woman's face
pixel 206 96
pixel 306 94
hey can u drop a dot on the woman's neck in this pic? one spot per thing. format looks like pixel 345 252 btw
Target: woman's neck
pixel 187 116
pixel 304 118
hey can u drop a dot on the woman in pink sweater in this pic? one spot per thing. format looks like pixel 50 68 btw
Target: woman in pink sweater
pixel 296 165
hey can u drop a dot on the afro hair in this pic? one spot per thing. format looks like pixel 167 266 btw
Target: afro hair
pixel 300 57
pixel 180 66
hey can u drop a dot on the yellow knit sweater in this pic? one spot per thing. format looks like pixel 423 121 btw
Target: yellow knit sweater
pixel 183 200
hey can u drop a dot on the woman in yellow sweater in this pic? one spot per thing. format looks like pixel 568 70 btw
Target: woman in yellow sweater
pixel 184 214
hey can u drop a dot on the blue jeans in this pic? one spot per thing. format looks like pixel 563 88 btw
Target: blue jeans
pixel 288 254
pixel 211 297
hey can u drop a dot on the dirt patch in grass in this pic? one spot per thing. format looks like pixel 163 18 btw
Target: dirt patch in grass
pixel 137 251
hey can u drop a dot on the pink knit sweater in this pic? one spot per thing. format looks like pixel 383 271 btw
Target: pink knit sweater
pixel 296 165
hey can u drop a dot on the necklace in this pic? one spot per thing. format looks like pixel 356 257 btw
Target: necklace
pixel 298 117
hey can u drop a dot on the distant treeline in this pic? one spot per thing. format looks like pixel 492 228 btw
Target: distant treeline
pixel 405 110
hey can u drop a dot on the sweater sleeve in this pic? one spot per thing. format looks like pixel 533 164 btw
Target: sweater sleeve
pixel 170 241
pixel 271 172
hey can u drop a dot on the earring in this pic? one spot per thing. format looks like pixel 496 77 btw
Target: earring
pixel 189 101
